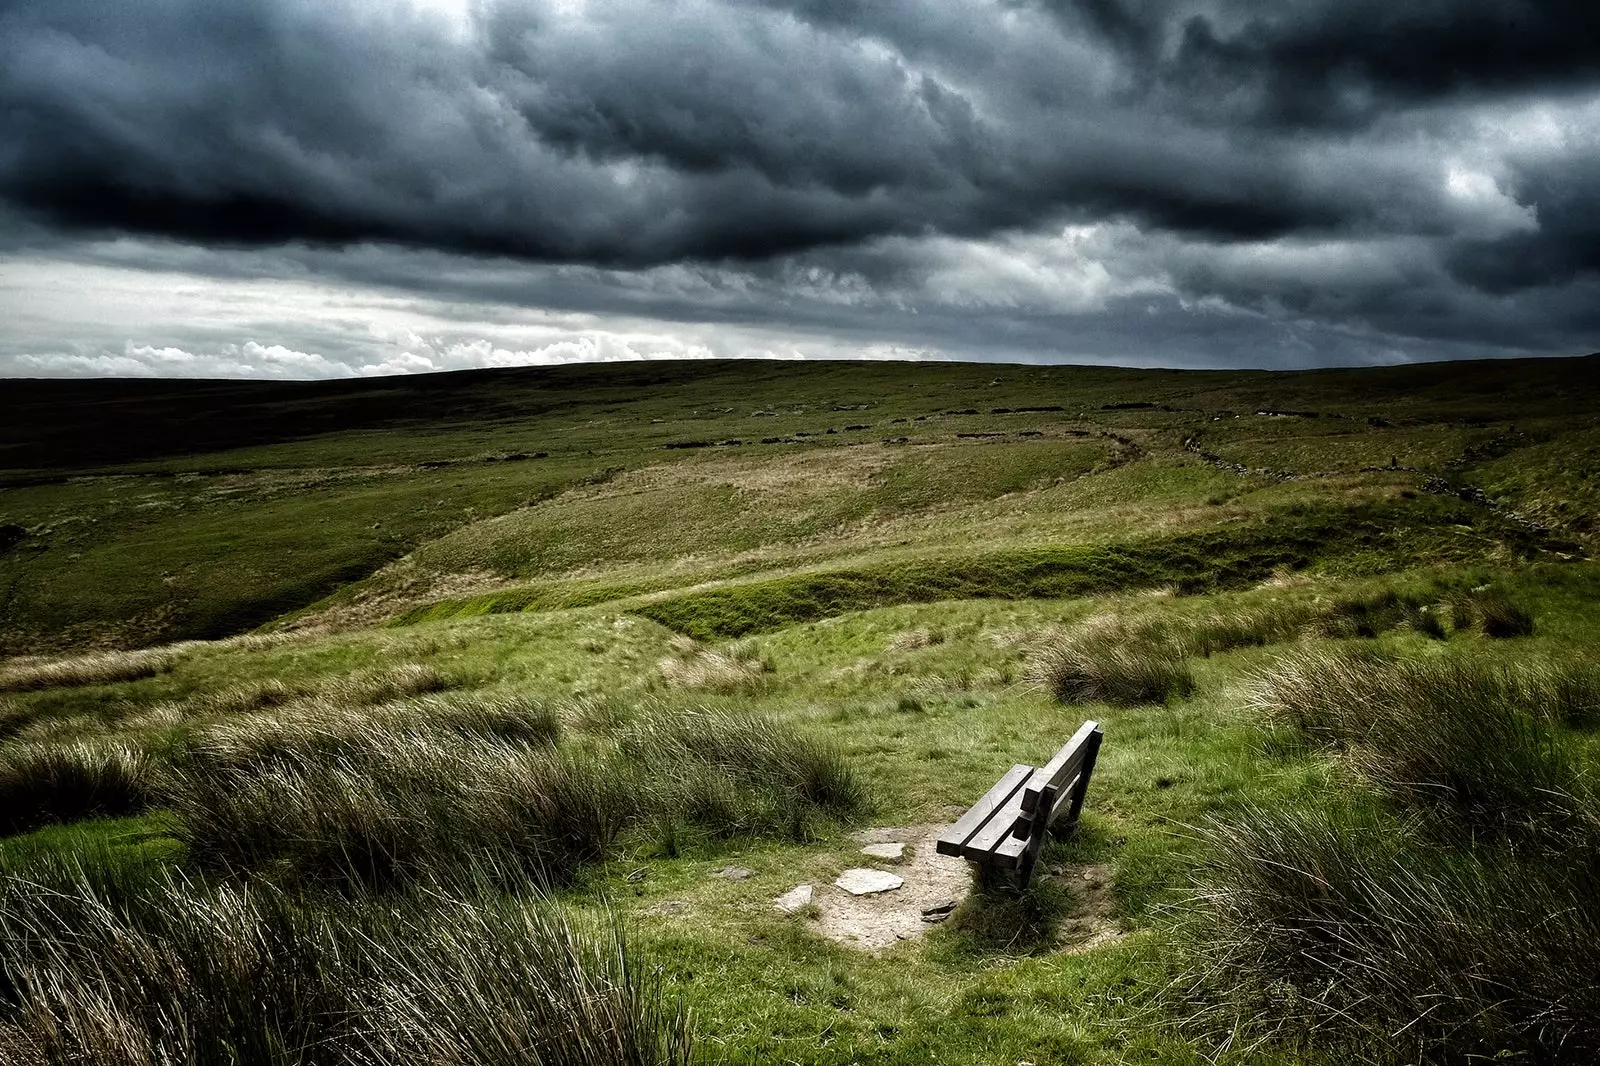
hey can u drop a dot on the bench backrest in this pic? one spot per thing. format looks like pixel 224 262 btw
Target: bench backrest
pixel 1054 792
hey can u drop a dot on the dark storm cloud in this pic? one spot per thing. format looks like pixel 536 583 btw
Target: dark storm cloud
pixel 642 133
pixel 1382 175
pixel 1338 62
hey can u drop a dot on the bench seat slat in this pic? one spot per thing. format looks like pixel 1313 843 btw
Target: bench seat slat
pixel 996 831
pixel 954 839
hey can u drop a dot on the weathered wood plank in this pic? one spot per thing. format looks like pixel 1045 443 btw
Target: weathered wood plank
pixel 996 830
pixel 954 839
pixel 1064 766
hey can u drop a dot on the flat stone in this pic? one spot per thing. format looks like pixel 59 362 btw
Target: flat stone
pixel 797 898
pixel 894 850
pixel 863 882
pixel 734 873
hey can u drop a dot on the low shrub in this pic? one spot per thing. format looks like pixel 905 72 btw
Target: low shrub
pixel 157 969
pixel 43 784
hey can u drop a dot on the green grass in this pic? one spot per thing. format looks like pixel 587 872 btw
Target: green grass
pixel 541 699
pixel 1376 538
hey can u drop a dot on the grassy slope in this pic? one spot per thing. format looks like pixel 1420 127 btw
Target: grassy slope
pixel 565 597
pixel 161 511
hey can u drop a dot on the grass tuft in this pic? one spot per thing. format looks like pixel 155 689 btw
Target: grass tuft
pixel 1111 662
pixel 734 668
pixel 1498 615
pixel 99 668
pixel 739 772
pixel 44 784
pixel 1351 931
pixel 156 969
pixel 1479 744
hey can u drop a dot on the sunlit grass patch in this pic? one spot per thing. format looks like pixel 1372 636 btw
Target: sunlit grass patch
pixel 97 668
pixel 736 667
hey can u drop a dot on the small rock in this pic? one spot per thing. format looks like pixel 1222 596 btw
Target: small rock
pixel 862 882
pixel 885 851
pixel 734 873
pixel 939 910
pixel 795 899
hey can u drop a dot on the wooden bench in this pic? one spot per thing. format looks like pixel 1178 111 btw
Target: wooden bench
pixel 1006 828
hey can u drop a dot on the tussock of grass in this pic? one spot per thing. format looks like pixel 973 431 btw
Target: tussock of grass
pixel 307 731
pixel 1478 743
pixel 99 668
pixel 912 639
pixel 752 753
pixel 1354 932
pixel 1112 663
pixel 157 970
pixel 1498 615
pixel 406 809
pixel 730 669
pixel 408 793
pixel 44 784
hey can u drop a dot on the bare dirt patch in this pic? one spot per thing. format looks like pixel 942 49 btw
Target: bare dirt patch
pixel 878 921
pixel 1090 923
pixel 935 885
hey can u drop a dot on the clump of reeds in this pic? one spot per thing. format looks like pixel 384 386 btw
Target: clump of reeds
pixel 97 668
pixel 1460 922
pixel 152 969
pixel 41 784
pixel 1477 742
pixel 733 772
pixel 732 668
pixel 1110 661
pixel 403 808
pixel 1359 934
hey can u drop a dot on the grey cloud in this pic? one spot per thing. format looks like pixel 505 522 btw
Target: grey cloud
pixel 1316 180
pixel 643 133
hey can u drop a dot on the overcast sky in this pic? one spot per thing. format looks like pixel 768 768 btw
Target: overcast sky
pixel 320 188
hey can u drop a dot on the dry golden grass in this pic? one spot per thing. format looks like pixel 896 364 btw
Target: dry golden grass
pixel 97 668
pixel 730 669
